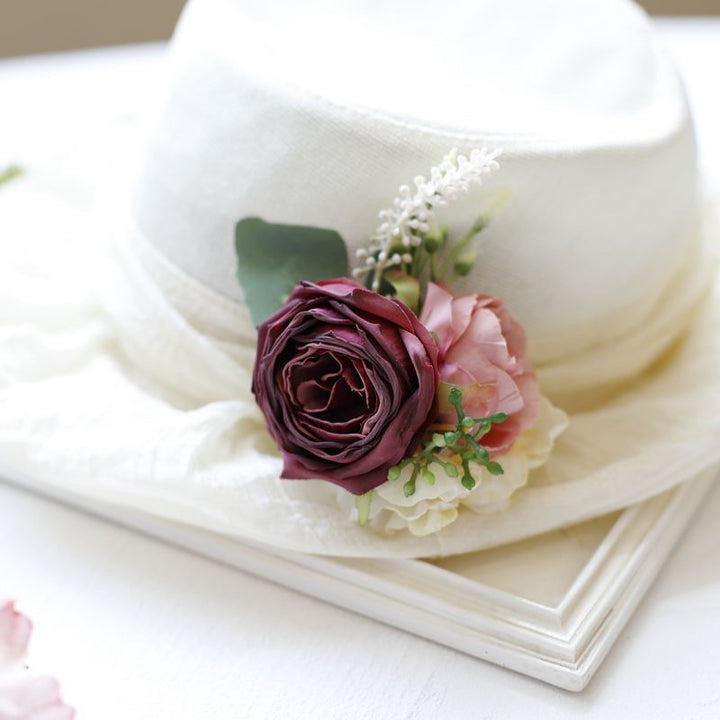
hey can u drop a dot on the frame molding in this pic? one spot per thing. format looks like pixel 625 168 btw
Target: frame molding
pixel 562 644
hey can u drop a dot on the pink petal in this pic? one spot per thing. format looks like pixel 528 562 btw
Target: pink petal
pixel 482 342
pixel 512 330
pixel 22 695
pixel 32 698
pixel 15 630
pixel 437 316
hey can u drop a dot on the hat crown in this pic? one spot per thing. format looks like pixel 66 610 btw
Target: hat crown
pixel 495 67
pixel 315 114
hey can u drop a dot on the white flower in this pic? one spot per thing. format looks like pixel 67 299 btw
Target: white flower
pixel 412 212
pixel 432 507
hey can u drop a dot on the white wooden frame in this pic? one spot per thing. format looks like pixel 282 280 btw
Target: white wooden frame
pixel 560 643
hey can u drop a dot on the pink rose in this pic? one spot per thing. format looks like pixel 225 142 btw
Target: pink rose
pixel 483 351
pixel 347 380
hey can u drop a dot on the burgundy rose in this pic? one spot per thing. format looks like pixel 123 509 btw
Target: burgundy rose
pixel 347 380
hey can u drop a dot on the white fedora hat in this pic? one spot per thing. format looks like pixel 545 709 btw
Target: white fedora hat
pixel 127 355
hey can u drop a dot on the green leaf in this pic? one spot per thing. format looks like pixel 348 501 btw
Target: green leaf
pixel 274 258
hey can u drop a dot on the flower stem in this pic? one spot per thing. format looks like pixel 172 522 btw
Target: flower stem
pixel 447 441
pixel 362 503
pixel 478 226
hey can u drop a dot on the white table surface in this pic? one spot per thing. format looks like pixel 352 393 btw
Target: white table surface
pixel 137 630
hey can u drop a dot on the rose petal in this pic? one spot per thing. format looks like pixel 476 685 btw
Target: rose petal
pixel 15 630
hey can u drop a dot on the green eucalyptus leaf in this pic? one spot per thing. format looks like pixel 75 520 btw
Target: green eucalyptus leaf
pixel 274 258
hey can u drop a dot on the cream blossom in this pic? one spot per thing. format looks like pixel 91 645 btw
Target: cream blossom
pixel 432 507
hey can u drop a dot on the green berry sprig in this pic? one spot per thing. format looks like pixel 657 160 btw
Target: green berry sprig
pixel 463 441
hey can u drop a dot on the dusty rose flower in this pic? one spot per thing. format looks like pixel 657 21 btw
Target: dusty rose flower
pixel 24 696
pixel 347 380
pixel 483 351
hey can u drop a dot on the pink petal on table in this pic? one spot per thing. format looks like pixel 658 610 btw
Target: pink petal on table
pixel 15 630
pixel 26 697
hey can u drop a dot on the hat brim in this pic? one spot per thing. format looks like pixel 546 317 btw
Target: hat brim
pixel 79 416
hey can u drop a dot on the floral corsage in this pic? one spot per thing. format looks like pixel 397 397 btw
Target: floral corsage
pixel 413 400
